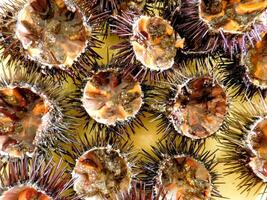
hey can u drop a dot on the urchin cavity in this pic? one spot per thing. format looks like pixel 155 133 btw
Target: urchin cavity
pixel 199 108
pixel 154 43
pixel 52 33
pixel 257 141
pixel 101 172
pixel 23 116
pixel 185 178
pixel 255 61
pixel 110 97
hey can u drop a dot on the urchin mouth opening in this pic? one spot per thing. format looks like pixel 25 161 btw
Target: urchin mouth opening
pixel 255 61
pixel 154 43
pixel 52 33
pixel 184 177
pixel 230 17
pixel 256 141
pixel 102 172
pixel 24 192
pixel 24 116
pixel 110 97
pixel 199 108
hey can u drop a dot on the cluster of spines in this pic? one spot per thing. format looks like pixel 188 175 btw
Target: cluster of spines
pixel 39 173
pixel 168 149
pixel 236 152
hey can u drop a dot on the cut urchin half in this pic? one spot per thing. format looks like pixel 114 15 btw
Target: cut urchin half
pixel 246 73
pixel 244 146
pixel 149 42
pixel 193 106
pixel 207 25
pixel 102 166
pixel 111 100
pixel 50 34
pixel 34 178
pixel 32 113
pixel 185 170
